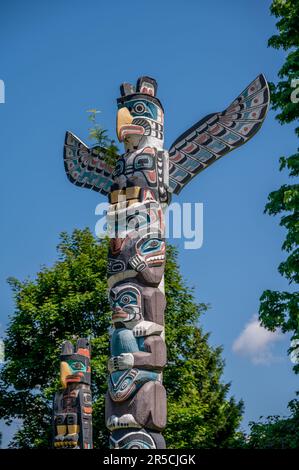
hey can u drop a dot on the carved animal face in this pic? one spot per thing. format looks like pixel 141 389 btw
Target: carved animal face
pixel 125 301
pixel 75 363
pixel 152 250
pixel 140 113
pixel 132 302
pixel 139 253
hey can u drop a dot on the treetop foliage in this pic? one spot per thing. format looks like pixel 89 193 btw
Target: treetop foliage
pixel 281 309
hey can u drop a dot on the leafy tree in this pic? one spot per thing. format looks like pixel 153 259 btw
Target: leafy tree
pixel 103 144
pixel 281 309
pixel 275 432
pixel 69 300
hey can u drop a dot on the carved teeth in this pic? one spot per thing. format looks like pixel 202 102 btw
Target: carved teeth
pixel 153 258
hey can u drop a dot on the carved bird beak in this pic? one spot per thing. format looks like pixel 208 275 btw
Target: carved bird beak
pixel 124 118
pixel 64 372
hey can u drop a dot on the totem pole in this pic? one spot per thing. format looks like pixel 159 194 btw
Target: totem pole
pixel 139 188
pixel 72 406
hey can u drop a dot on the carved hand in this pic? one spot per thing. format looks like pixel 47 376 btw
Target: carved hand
pixel 146 328
pixel 121 362
pixel 138 263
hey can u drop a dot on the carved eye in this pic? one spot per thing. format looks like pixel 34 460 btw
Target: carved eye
pixel 78 365
pixel 139 108
pixel 125 299
pixel 150 245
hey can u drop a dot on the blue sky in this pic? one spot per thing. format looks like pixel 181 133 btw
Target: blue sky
pixel 60 58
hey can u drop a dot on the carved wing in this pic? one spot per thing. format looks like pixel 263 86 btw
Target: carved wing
pixel 218 134
pixel 86 166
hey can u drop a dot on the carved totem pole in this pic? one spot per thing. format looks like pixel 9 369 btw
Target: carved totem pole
pixel 73 405
pixel 139 188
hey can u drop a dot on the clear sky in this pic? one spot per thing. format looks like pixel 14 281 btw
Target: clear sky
pixel 58 58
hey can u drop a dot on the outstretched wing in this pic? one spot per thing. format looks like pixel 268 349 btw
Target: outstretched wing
pixel 86 166
pixel 218 134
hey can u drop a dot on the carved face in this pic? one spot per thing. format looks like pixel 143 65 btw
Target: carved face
pixel 125 301
pixel 74 365
pixel 140 113
pixel 147 251
pixel 151 250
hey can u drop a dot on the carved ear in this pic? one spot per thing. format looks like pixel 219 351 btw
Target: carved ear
pixel 83 343
pixel 126 89
pixel 83 347
pixel 67 348
pixel 147 85
pixel 113 294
